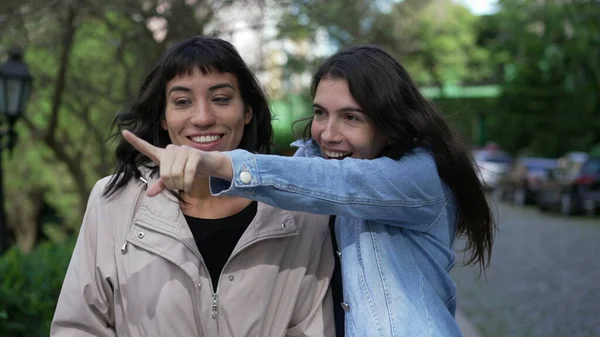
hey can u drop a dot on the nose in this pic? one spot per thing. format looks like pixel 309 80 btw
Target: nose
pixel 203 116
pixel 330 134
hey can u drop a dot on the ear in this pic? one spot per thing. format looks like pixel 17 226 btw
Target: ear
pixel 248 115
pixel 163 124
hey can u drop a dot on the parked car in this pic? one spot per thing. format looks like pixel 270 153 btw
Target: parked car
pixel 492 166
pixel 521 184
pixel 572 189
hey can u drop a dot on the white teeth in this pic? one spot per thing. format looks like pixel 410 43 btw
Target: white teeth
pixel 336 154
pixel 205 139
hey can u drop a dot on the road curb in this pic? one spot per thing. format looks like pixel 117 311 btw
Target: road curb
pixel 467 328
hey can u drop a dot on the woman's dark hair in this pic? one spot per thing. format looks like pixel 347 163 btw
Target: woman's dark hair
pixel 144 118
pixel 390 98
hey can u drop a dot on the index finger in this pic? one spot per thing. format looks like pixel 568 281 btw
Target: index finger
pixel 153 152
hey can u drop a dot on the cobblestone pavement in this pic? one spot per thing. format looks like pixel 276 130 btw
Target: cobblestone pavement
pixel 544 279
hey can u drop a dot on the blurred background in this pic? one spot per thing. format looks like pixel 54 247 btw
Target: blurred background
pixel 520 79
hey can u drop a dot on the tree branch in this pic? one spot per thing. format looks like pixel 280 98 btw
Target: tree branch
pixel 82 112
pixel 67 43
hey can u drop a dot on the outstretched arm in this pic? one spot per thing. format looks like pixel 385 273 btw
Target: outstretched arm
pixel 407 192
pixel 404 192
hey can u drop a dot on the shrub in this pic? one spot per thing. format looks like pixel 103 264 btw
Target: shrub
pixel 29 287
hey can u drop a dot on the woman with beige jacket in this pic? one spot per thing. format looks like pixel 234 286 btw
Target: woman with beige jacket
pixel 192 264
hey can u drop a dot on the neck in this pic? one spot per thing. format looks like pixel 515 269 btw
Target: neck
pixel 200 191
pixel 200 203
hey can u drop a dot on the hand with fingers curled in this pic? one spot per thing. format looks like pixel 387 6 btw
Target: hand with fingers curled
pixel 180 166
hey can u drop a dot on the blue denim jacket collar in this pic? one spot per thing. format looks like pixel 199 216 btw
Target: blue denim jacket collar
pixel 309 146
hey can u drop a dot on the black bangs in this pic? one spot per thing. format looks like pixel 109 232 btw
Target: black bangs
pixel 201 54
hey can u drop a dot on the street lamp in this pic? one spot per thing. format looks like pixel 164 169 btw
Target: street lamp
pixel 15 88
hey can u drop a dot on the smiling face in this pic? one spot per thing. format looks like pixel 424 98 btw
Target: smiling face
pixel 340 126
pixel 205 111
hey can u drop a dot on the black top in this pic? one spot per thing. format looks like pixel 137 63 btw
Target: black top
pixel 216 238
pixel 336 284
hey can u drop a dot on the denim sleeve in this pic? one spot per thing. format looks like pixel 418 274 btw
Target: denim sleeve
pixel 405 192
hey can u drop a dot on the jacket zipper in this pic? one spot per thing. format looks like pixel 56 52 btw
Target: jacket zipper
pixel 215 312
pixel 215 294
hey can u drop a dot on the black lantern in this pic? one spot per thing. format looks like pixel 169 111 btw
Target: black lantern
pixel 15 85
pixel 15 88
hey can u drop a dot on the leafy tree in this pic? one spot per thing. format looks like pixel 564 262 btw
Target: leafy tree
pixel 435 40
pixel 550 101
pixel 87 58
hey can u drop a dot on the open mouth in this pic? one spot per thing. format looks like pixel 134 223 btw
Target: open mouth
pixel 336 155
pixel 205 139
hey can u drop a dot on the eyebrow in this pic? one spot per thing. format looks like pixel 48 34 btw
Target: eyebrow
pixel 212 88
pixel 344 109
pixel 221 86
pixel 179 88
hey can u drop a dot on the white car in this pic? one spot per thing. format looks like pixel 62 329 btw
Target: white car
pixel 491 166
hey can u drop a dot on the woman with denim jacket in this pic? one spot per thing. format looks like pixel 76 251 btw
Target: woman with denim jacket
pixel 399 180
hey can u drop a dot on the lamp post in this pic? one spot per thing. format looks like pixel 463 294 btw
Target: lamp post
pixel 15 88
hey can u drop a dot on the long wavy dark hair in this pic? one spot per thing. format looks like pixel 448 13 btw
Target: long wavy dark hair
pixel 390 98
pixel 145 115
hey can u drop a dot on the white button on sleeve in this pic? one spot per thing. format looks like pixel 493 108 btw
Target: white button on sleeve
pixel 245 177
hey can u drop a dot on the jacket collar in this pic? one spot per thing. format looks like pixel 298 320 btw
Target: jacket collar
pixel 310 147
pixel 163 214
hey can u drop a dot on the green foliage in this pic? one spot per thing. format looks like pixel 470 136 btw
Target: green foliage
pixel 87 60
pixel 93 94
pixel 29 287
pixel 286 112
pixel 346 22
pixel 435 40
pixel 465 116
pixel 551 94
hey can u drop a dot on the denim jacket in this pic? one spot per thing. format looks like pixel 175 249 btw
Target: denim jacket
pixel 395 224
